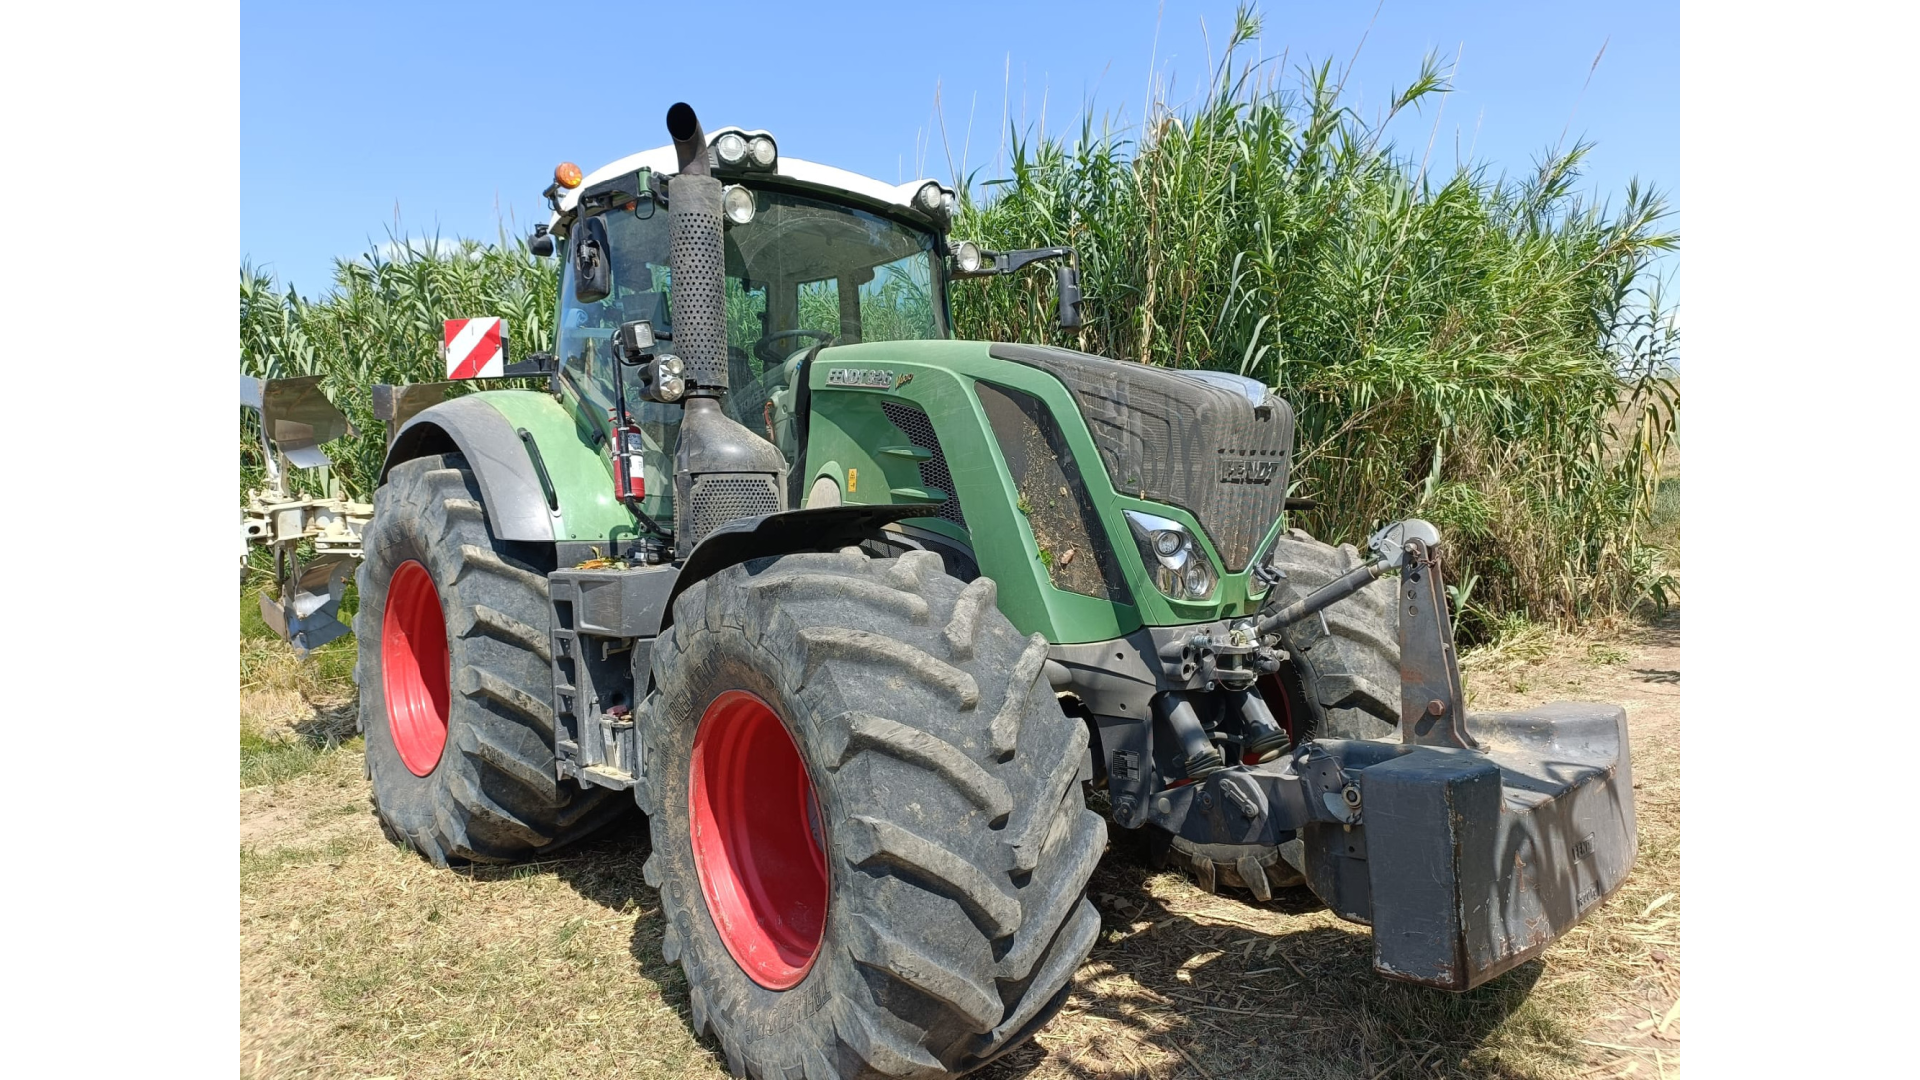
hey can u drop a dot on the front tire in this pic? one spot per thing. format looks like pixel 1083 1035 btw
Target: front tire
pixel 455 681
pixel 1346 661
pixel 900 717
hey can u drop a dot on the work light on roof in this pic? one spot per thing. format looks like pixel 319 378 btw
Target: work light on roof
pixel 928 198
pixel 763 152
pixel 731 148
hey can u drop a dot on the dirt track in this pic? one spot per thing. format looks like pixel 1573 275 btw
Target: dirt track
pixel 358 959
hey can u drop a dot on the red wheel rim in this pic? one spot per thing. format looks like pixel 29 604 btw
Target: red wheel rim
pixel 757 840
pixel 414 668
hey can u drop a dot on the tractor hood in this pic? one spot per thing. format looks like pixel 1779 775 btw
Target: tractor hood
pixel 1058 472
pixel 1214 444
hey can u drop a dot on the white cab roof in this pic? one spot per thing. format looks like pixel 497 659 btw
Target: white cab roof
pixel 662 159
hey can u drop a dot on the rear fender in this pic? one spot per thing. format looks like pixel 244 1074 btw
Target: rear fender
pixel 517 504
pixel 510 439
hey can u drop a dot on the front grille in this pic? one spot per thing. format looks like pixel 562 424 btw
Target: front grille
pixel 933 471
pixel 1188 440
pixel 718 498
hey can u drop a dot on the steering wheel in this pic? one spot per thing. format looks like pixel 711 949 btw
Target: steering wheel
pixel 764 347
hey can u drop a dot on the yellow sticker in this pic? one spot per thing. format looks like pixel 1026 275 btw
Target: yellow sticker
pixel 853 479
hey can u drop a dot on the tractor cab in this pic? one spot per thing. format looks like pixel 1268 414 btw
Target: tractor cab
pixel 814 257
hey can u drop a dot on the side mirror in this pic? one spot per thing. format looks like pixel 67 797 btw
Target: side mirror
pixel 592 273
pixel 966 259
pixel 541 242
pixel 1066 281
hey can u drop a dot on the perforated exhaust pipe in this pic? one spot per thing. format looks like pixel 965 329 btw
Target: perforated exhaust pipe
pixel 696 231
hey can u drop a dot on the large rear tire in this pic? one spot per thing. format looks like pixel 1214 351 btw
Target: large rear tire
pixel 455 680
pixel 1341 681
pixel 870 845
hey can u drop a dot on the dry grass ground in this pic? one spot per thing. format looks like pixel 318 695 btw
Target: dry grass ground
pixel 361 960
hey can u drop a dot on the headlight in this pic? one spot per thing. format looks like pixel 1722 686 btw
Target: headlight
pixel 1177 565
pixel 966 257
pixel 738 202
pixel 731 148
pixel 667 382
pixel 762 151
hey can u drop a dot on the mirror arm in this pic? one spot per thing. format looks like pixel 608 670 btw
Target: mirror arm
pixel 1010 262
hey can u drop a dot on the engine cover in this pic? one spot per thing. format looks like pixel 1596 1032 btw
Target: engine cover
pixel 1214 444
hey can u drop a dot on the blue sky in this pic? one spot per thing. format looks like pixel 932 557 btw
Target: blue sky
pixel 453 115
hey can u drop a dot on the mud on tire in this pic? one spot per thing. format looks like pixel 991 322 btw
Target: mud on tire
pixel 492 795
pixel 956 838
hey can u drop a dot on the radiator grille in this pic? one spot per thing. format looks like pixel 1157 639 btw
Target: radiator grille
pixel 933 471
pixel 1072 541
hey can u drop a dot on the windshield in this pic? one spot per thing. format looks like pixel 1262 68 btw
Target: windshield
pixel 802 272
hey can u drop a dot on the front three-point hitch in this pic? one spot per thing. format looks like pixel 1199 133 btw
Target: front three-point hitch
pixel 1430 696
pixel 1468 846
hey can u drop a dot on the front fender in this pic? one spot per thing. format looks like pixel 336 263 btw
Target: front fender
pixel 820 528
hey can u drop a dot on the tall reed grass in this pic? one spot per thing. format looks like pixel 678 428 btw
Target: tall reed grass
pixel 1489 352
pixel 382 323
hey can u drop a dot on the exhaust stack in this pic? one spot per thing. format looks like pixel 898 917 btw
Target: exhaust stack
pixel 689 139
pixel 722 471
pixel 696 251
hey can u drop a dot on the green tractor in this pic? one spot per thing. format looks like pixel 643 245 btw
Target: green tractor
pixel 858 614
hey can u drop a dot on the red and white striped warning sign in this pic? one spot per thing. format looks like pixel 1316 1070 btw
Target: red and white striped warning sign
pixel 476 348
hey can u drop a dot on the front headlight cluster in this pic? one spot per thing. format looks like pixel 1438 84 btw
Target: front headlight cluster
pixel 1178 567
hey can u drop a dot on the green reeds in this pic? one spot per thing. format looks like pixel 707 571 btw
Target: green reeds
pixel 1485 352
